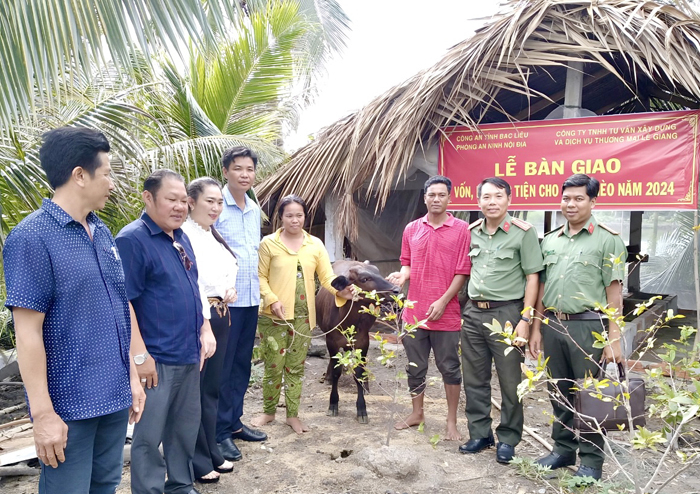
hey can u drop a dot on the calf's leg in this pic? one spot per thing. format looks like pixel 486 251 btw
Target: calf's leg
pixel 335 375
pixel 362 387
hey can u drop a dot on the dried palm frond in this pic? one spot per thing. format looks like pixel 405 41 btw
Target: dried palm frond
pixel 636 42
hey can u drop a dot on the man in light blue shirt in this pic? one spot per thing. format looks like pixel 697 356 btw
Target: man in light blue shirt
pixel 239 224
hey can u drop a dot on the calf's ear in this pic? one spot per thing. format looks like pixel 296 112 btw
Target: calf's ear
pixel 340 283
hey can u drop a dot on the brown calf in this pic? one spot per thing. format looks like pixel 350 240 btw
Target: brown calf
pixel 329 318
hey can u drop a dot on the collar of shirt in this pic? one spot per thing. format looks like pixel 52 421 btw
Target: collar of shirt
pixel 155 229
pixel 505 225
pixel 63 218
pixel 449 222
pixel 278 240
pixel 230 201
pixel 590 227
pixel 196 228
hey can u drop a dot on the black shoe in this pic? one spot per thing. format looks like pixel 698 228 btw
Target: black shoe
pixel 248 434
pixel 504 453
pixel 555 460
pixel 229 450
pixel 586 471
pixel 475 445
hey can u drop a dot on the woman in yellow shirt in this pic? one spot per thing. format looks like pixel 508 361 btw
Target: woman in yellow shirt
pixel 288 260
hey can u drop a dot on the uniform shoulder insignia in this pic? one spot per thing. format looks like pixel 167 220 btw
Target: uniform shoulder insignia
pixel 523 225
pixel 607 228
pixel 555 230
pixel 476 223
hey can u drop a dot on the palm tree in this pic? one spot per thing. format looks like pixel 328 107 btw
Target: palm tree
pixel 116 65
pixel 42 37
pixel 243 95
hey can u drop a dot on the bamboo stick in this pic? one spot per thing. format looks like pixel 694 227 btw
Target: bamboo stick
pixel 12 433
pixel 7 410
pixel 14 423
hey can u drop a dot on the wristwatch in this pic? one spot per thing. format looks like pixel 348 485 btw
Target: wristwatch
pixel 140 358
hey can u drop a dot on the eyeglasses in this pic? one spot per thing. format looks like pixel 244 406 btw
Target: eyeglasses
pixel 183 255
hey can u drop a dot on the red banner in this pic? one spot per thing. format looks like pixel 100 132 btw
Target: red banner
pixel 644 161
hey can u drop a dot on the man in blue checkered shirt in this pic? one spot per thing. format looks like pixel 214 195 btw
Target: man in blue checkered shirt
pixel 239 224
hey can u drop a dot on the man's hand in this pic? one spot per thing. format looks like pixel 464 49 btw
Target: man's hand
pixel 277 309
pixel 231 296
pixel 396 278
pixel 50 438
pixel 208 342
pixel 522 334
pixel 613 352
pixel 138 400
pixel 147 371
pixel 436 310
pixel 535 343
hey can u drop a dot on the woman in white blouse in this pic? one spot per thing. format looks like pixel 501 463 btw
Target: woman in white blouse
pixel 217 268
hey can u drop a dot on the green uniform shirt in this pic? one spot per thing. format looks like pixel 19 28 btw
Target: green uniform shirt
pixel 579 267
pixel 500 261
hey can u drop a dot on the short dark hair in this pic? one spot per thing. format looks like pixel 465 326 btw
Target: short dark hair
pixel 154 181
pixel 231 154
pixel 437 179
pixel 197 186
pixel 581 180
pixel 66 148
pixel 287 200
pixel 498 182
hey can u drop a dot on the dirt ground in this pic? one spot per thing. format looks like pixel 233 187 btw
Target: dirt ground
pixel 339 455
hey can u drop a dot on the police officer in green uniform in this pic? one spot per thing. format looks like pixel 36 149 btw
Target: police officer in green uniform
pixel 584 264
pixel 506 259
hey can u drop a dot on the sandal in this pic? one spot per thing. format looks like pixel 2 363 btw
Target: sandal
pixel 224 467
pixel 210 480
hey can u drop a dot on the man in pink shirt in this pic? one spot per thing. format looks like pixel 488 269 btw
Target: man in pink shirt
pixel 435 257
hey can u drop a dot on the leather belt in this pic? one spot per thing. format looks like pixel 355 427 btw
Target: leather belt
pixel 580 316
pixel 487 304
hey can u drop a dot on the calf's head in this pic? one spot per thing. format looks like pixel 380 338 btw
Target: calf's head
pixel 367 277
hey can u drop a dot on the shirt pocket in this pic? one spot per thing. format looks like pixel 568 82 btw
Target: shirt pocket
pixel 475 251
pixel 550 260
pixel 503 259
pixel 585 268
pixel 111 265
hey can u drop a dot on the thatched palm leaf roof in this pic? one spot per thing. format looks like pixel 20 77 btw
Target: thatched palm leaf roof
pixel 639 56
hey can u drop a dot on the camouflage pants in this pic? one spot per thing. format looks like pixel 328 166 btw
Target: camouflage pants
pixel 284 352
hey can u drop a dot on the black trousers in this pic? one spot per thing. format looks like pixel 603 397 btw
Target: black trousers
pixel 568 345
pixel 206 454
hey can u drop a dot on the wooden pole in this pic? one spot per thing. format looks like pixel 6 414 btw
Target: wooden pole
pixel 697 284
pixel 16 471
pixel 332 239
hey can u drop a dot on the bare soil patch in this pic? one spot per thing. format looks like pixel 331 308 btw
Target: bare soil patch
pixel 339 455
